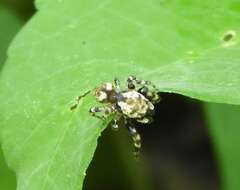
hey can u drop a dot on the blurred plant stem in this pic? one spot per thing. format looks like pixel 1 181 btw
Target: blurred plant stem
pixel 10 24
pixel 224 127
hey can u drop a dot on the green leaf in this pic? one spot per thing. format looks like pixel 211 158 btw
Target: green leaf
pixel 224 128
pixel 72 46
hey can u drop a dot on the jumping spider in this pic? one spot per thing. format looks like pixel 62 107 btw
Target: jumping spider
pixel 134 104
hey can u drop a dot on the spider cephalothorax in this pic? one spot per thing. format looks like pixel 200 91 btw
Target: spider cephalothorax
pixel 106 93
pixel 133 104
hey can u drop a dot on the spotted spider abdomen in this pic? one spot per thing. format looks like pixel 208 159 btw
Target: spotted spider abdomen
pixel 135 105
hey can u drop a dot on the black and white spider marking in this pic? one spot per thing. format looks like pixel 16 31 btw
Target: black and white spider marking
pixel 127 106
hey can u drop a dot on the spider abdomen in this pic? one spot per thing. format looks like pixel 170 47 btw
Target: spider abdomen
pixel 135 105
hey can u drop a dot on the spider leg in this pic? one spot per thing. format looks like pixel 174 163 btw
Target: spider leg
pixel 105 110
pixel 145 83
pixel 145 120
pixel 133 81
pixel 114 124
pixel 145 87
pixel 136 138
pixel 117 83
pixel 153 95
pixel 74 106
pixel 130 82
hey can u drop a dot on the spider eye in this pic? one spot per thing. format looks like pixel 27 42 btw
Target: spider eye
pixel 108 86
pixel 101 96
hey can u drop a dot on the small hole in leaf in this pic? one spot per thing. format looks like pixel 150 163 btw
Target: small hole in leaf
pixel 229 36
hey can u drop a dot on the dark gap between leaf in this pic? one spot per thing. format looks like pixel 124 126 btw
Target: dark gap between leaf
pixel 176 150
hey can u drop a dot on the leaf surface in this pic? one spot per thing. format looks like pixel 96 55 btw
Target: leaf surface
pixel 72 46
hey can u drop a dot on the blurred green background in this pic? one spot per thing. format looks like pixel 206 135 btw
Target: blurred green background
pixel 191 146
